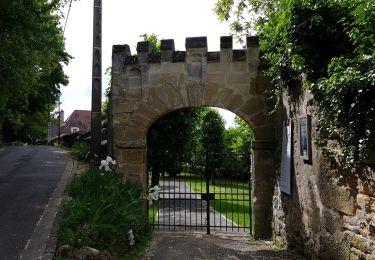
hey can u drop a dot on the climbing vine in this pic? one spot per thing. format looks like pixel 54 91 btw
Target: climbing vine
pixel 331 45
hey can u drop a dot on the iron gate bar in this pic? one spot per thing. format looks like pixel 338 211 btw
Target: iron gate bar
pixel 225 196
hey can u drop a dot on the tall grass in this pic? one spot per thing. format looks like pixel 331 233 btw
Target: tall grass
pixel 100 211
pixel 80 151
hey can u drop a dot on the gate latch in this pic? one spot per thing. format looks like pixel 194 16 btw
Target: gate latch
pixel 209 196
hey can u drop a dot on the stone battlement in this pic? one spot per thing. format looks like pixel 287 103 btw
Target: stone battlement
pixel 169 54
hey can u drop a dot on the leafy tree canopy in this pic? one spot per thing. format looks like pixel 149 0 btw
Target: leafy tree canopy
pixel 329 44
pixel 32 53
pixel 238 138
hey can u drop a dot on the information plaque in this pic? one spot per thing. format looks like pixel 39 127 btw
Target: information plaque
pixel 286 161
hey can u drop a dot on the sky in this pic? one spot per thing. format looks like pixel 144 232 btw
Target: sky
pixel 122 23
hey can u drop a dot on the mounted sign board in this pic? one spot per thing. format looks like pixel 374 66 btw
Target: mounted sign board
pixel 286 161
pixel 305 137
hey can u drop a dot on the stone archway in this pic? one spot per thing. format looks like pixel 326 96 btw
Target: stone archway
pixel 149 85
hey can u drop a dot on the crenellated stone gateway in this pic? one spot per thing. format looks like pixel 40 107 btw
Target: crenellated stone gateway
pixel 149 85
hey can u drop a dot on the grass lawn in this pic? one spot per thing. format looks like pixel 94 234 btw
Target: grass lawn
pixel 153 210
pixel 231 197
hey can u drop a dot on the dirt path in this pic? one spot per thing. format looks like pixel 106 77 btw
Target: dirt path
pixel 199 246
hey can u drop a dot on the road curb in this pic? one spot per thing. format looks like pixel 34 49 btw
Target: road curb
pixel 43 241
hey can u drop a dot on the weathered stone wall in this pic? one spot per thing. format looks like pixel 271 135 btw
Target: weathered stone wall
pixel 149 85
pixel 331 213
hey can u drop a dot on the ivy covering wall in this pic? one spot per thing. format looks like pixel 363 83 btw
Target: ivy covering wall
pixel 327 47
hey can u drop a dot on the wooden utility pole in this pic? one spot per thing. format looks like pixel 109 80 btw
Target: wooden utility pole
pixel 59 124
pixel 96 98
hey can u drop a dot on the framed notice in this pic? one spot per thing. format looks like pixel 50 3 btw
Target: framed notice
pixel 286 161
pixel 305 137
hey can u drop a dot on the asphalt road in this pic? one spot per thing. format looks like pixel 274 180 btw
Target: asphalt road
pixel 28 177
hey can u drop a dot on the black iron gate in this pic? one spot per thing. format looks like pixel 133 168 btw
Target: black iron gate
pixel 206 192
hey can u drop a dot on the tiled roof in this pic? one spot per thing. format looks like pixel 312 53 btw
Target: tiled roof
pixel 78 118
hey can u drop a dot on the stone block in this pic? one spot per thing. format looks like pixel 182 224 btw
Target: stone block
pixel 265 132
pixel 217 78
pixel 263 156
pixel 355 254
pixel 252 106
pixel 195 42
pixel 155 68
pixel 213 68
pixel 242 89
pixel 226 42
pixel 363 202
pixel 134 94
pixel 210 94
pixel 173 68
pixel 127 107
pixel 360 243
pixel 261 119
pixel 134 156
pixel 213 57
pixel 237 78
pixel 234 102
pixel 339 198
pixel 133 132
pixel 222 96
pixel 372 205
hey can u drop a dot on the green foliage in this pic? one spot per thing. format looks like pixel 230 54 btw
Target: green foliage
pixel 168 140
pixel 32 54
pixel 331 44
pixel 105 104
pixel 212 128
pixel 153 40
pixel 100 211
pixel 80 151
pixel 238 138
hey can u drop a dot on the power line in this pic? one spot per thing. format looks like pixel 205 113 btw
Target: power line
pixel 67 16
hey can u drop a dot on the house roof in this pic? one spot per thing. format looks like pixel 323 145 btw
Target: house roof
pixel 78 118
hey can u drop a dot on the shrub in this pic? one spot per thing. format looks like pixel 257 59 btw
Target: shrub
pixel 80 150
pixel 101 210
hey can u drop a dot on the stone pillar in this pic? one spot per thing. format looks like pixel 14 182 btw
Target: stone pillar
pixel 167 49
pixel 119 52
pixel 133 160
pixel 196 68
pixel 226 52
pixel 263 170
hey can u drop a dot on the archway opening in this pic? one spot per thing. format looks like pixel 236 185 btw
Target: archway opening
pixel 202 166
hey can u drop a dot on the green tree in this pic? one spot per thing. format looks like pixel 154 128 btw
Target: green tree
pixel 331 44
pixel 238 138
pixel 31 57
pixel 105 103
pixel 168 142
pixel 212 127
pixel 153 40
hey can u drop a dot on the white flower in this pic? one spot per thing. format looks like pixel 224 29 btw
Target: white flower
pixel 110 160
pixel 131 237
pixel 367 57
pixel 105 163
pixel 154 193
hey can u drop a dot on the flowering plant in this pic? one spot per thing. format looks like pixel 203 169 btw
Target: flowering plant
pixel 105 163
pixel 154 193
